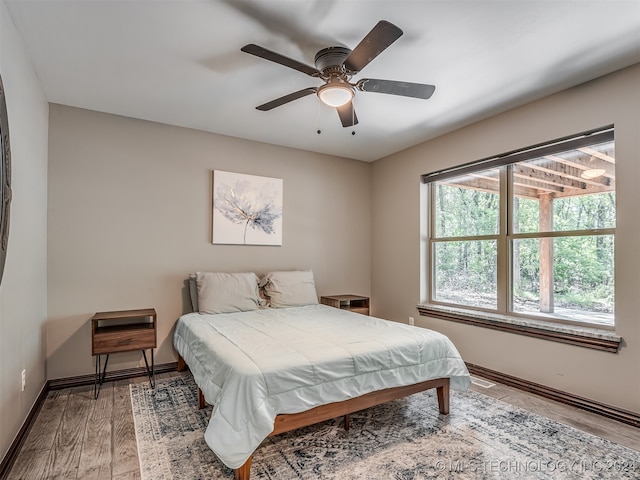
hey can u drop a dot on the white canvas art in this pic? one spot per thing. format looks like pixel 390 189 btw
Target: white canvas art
pixel 247 209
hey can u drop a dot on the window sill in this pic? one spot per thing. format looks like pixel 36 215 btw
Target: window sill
pixel 595 338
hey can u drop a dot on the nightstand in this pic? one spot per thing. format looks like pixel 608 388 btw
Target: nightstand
pixel 122 331
pixel 353 303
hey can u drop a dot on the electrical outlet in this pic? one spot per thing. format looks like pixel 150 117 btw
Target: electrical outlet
pixel 24 379
pixel 411 321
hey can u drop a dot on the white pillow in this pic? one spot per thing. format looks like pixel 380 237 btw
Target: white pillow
pixel 227 292
pixel 290 289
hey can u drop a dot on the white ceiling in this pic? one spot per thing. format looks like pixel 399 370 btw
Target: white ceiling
pixel 179 61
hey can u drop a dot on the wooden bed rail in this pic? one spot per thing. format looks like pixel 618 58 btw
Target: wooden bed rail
pixel 292 421
pixel 287 422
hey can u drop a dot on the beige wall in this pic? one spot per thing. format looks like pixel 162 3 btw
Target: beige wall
pixel 130 217
pixel 23 292
pixel 610 378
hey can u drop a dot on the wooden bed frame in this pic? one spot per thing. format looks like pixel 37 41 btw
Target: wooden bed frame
pixel 287 422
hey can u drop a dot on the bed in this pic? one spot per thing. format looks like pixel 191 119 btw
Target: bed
pixel 271 369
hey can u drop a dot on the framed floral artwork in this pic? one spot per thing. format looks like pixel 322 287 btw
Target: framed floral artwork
pixel 247 209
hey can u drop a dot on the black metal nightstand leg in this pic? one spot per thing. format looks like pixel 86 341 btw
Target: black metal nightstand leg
pixel 95 378
pixel 99 378
pixel 150 373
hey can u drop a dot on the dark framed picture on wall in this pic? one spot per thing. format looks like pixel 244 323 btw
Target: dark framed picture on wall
pixel 247 209
pixel 5 179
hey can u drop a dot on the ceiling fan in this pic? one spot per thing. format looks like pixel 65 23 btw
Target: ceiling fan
pixel 336 65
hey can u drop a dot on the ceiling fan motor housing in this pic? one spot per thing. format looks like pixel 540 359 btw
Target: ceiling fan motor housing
pixel 331 57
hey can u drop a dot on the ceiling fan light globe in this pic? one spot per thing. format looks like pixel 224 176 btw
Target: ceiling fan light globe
pixel 592 173
pixel 335 95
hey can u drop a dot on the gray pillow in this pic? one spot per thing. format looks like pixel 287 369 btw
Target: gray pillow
pixel 290 289
pixel 193 292
pixel 227 292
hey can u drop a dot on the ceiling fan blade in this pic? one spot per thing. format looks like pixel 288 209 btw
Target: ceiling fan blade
pixel 347 114
pixel 378 39
pixel 262 52
pixel 406 89
pixel 286 99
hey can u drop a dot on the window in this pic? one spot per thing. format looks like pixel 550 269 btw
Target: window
pixel 528 234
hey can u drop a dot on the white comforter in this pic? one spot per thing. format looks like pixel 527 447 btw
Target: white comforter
pixel 255 365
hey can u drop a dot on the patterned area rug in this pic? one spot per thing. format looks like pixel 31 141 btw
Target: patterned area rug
pixel 405 440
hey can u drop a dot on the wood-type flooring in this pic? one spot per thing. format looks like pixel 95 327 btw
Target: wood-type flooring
pixel 77 437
